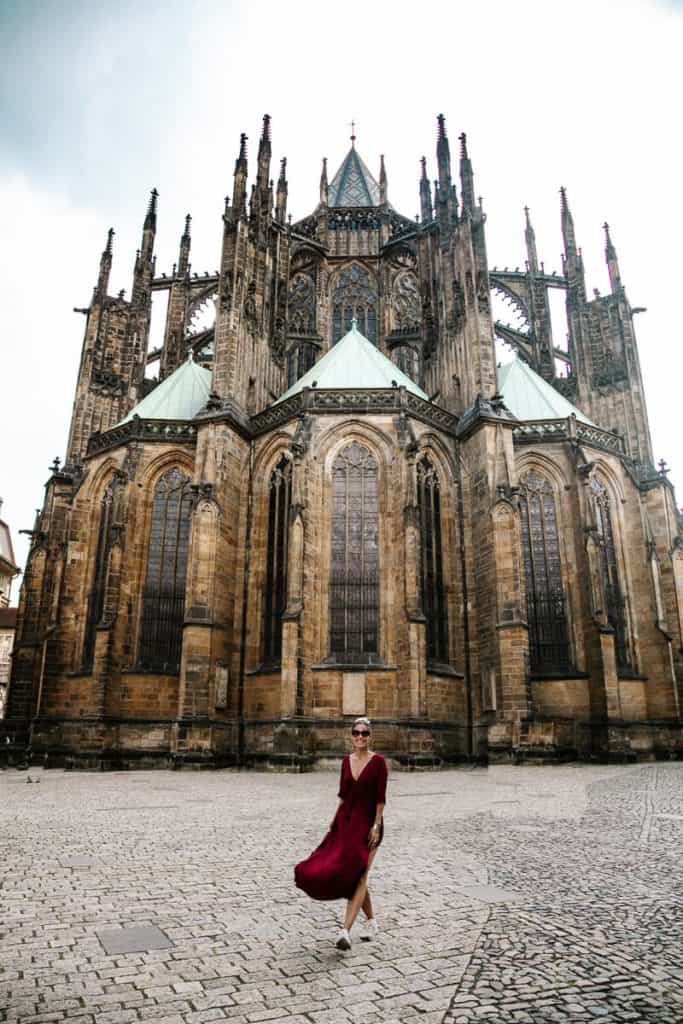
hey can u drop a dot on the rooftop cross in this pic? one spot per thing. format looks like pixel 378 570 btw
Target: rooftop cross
pixel 352 126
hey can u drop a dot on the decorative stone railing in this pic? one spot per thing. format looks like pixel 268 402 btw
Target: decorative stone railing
pixel 570 429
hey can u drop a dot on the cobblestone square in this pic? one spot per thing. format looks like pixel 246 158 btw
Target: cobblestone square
pixel 526 894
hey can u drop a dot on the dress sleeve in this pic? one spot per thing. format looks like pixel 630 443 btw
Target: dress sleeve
pixel 343 785
pixel 381 783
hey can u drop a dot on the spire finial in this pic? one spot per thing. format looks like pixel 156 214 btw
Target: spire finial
pixel 110 242
pixel 605 228
pixel 423 164
pixel 442 126
pixel 526 216
pixel 242 158
pixel 563 198
pixel 463 147
pixel 352 125
pixel 283 168
pixel 188 221
pixel 266 128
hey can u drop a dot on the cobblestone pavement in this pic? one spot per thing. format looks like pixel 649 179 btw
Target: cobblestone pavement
pixel 509 894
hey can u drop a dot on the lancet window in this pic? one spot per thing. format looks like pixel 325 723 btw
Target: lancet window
pixel 354 569
pixel 615 604
pixel 98 587
pixel 432 587
pixel 354 296
pixel 275 593
pixel 299 359
pixel 545 599
pixel 163 598
pixel 407 358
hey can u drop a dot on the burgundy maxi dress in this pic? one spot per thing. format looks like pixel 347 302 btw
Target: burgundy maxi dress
pixel 333 871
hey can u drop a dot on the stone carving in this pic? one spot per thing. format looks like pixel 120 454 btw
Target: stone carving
pixel 250 311
pixel 301 305
pixel 406 306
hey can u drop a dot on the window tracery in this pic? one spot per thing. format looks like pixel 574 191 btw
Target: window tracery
pixel 432 587
pixel 354 570
pixel 545 599
pixel 355 295
pixel 301 305
pixel 615 604
pixel 407 358
pixel 98 588
pixel 275 592
pixel 300 359
pixel 163 597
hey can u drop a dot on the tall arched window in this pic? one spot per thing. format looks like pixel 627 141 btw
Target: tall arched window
pixel 98 586
pixel 354 570
pixel 615 605
pixel 275 594
pixel 354 296
pixel 163 598
pixel 545 600
pixel 431 562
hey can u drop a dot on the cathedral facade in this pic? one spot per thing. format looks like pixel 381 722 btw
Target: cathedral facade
pixel 332 502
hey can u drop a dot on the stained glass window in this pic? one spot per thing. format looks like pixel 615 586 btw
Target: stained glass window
pixel 354 570
pixel 545 599
pixel 99 581
pixel 354 296
pixel 275 594
pixel 431 562
pixel 163 598
pixel 615 609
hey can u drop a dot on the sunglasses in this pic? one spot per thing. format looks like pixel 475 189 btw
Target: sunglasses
pixel 360 732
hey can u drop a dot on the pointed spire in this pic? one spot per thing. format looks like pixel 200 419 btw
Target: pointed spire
pixel 530 238
pixel 612 262
pixel 443 157
pixel 264 153
pixel 184 253
pixel 568 232
pixel 151 218
pixel 324 187
pixel 382 182
pixel 239 191
pixel 105 267
pixel 281 204
pixel 466 177
pixel 426 210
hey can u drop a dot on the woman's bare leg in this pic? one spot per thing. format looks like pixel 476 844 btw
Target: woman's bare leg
pixel 358 898
pixel 367 905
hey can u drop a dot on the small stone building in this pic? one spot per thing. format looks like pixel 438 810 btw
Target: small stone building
pixel 333 502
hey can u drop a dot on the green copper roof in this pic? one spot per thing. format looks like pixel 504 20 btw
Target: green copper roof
pixel 353 185
pixel 354 362
pixel 529 397
pixel 178 397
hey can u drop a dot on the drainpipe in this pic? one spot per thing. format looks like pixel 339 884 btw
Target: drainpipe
pixel 465 606
pixel 245 608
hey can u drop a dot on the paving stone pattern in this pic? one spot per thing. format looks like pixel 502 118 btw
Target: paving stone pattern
pixel 528 894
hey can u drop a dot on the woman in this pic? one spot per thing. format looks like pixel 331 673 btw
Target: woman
pixel 339 868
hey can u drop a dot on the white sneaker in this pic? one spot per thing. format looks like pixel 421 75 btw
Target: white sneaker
pixel 344 941
pixel 370 930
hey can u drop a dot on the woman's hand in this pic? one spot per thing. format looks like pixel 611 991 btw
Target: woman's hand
pixel 373 836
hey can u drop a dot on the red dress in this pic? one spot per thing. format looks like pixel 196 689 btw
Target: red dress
pixel 333 871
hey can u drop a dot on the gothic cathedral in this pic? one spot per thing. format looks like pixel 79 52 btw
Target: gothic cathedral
pixel 330 501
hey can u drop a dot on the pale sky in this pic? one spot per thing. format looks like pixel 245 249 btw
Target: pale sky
pixel 101 102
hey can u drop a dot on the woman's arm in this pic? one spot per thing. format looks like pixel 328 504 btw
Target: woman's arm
pixel 334 816
pixel 376 830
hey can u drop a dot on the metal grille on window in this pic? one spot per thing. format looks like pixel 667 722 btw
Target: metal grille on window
pixel 275 594
pixel 354 296
pixel 545 600
pixel 163 598
pixel 431 562
pixel 99 582
pixel 615 609
pixel 354 570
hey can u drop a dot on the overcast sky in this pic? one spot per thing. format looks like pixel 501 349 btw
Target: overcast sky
pixel 100 102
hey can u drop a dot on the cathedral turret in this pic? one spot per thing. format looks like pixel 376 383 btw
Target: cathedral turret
pixel 239 189
pixel 612 263
pixel 530 239
pixel 184 253
pixel 144 260
pixel 445 199
pixel 264 155
pixel 466 178
pixel 426 211
pixel 382 182
pixel 281 204
pixel 572 261
pixel 324 187
pixel 100 291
